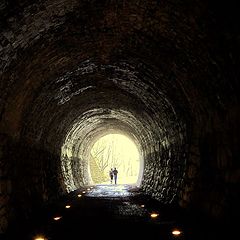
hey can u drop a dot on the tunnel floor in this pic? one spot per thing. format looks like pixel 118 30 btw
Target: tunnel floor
pixel 108 212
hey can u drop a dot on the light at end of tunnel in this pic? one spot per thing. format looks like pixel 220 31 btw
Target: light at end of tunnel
pixel 79 195
pixel 176 232
pixel 40 238
pixel 154 215
pixel 67 206
pixel 57 218
pixel 116 149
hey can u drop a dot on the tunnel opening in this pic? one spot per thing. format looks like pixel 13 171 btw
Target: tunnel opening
pixel 115 151
pixel 99 140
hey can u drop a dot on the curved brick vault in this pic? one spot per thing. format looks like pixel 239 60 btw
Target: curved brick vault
pixel 164 73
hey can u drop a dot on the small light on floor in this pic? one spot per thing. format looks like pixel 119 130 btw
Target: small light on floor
pixel 79 195
pixel 176 232
pixel 154 215
pixel 57 218
pixel 40 238
pixel 142 205
pixel 67 206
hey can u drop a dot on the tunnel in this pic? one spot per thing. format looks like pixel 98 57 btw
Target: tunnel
pixel 163 73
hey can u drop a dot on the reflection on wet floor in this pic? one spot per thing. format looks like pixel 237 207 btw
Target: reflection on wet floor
pixel 110 191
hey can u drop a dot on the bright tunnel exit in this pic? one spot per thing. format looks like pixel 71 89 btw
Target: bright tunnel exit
pixel 114 151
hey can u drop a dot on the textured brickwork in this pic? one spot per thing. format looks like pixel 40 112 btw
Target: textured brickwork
pixel 165 73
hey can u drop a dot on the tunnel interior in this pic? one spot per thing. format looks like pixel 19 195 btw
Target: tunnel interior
pixel 159 72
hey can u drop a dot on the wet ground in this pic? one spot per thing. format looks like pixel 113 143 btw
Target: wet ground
pixel 109 212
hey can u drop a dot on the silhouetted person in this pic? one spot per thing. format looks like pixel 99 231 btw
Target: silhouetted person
pixel 115 173
pixel 111 175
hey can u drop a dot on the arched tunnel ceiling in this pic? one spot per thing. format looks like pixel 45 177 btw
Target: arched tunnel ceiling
pixel 50 43
pixel 154 70
pixel 76 57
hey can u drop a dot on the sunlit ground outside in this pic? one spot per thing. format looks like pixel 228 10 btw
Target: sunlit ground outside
pixel 114 151
pixel 123 180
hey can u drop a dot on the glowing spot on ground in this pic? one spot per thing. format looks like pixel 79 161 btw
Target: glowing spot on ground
pixel 176 232
pixel 67 206
pixel 57 218
pixel 154 215
pixel 40 238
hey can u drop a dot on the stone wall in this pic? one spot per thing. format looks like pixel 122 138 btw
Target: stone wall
pixel 166 73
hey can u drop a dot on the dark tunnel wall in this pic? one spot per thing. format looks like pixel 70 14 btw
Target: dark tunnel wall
pixel 163 72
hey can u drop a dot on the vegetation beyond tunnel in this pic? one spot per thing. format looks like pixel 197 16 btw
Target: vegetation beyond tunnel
pixel 115 151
